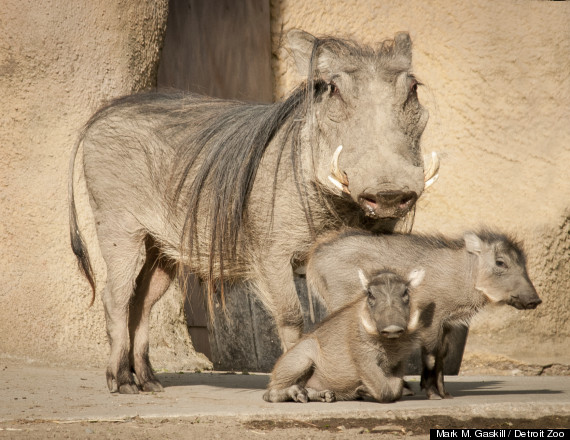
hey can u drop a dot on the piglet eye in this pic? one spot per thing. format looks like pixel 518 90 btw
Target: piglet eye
pixel 333 89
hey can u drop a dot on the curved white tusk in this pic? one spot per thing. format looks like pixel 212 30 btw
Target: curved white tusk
pixel 334 166
pixel 431 173
pixel 431 181
pixel 433 168
pixel 336 183
pixel 339 185
pixel 336 172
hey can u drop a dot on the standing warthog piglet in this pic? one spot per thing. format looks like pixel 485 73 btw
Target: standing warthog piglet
pixel 359 350
pixel 237 191
pixel 461 277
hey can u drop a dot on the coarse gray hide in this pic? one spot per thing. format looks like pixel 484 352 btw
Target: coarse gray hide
pixel 359 350
pixel 238 191
pixel 461 277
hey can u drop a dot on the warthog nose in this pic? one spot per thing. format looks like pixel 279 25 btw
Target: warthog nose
pixel 533 304
pixel 397 199
pixel 392 331
pixel 388 204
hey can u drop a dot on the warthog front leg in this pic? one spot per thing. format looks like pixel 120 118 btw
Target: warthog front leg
pixel 432 375
pixel 380 387
pixel 276 289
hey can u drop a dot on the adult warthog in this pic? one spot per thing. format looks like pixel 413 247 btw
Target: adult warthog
pixel 230 190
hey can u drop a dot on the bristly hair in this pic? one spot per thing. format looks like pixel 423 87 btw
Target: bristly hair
pixel 231 148
pixel 226 154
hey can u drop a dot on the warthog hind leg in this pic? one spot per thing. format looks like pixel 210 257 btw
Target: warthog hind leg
pixel 152 282
pixel 124 256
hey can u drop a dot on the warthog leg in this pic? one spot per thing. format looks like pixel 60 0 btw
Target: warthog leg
pixel 295 392
pixel 380 387
pixel 432 375
pixel 152 283
pixel 291 373
pixel 123 253
pixel 321 396
pixel 276 288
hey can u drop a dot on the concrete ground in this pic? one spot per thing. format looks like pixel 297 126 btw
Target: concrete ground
pixel 49 402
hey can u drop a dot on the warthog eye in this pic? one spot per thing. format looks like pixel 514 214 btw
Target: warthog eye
pixel 501 263
pixel 371 298
pixel 333 89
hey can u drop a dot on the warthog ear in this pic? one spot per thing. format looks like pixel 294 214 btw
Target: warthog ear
pixel 301 45
pixel 403 44
pixel 416 277
pixel 472 243
pixel 363 280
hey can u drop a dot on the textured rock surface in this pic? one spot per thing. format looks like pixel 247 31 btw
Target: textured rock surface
pixel 59 61
pixel 497 87
pixel 498 91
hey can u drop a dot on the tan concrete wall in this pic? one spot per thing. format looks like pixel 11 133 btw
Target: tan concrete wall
pixel 498 90
pixel 59 61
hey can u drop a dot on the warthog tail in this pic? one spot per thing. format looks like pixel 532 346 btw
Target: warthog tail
pixel 77 242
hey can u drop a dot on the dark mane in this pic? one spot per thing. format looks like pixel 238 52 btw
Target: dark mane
pixel 226 153
pixel 230 147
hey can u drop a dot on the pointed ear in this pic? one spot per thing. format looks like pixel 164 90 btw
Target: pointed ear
pixel 301 44
pixel 403 45
pixel 416 277
pixel 363 279
pixel 472 243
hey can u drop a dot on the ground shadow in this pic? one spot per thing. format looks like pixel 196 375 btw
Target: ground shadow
pixel 479 388
pixel 215 379
pixel 260 381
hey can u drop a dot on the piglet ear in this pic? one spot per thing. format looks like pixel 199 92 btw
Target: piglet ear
pixel 472 243
pixel 363 280
pixel 416 277
pixel 403 45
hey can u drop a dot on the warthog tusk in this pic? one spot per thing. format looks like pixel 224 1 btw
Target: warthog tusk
pixel 338 177
pixel 431 173
pixel 336 183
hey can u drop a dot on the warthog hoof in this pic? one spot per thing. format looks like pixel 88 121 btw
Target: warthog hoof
pixel 152 386
pixel 128 388
pixel 295 392
pixel 407 390
pixel 321 396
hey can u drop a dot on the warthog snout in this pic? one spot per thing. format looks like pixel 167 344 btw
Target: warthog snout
pixel 392 331
pixel 524 301
pixel 388 204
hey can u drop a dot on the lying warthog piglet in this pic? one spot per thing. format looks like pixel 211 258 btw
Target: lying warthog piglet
pixel 360 350
pixel 461 277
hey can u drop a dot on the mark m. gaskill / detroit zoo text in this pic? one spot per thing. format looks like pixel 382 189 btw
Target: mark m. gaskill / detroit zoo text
pixel 499 433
